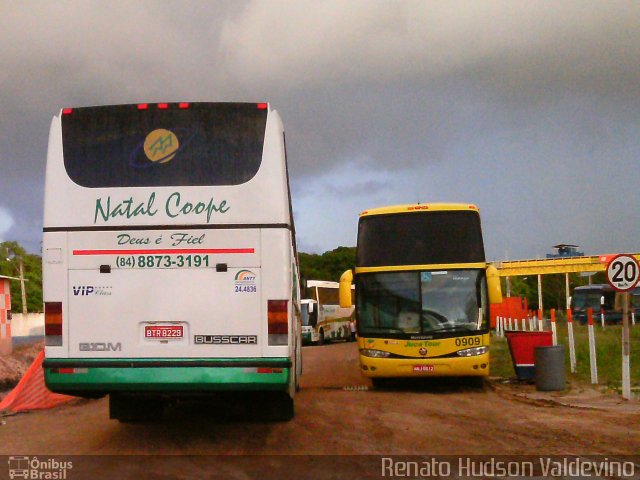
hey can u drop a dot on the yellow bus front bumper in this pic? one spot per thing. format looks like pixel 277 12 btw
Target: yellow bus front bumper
pixel 425 367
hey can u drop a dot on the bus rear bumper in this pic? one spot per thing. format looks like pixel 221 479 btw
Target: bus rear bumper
pixel 428 367
pixel 93 377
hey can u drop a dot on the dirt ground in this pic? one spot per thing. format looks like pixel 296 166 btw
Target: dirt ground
pixel 13 367
pixel 339 413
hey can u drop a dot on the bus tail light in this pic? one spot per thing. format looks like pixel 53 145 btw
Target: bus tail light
pixel 183 105
pixel 53 324
pixel 278 320
pixel 163 106
pixel 143 106
pixel 67 111
pixel 262 106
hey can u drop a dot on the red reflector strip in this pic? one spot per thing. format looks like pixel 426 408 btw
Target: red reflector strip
pixel 67 111
pixel 262 106
pixel 69 370
pixel 419 207
pixel 143 106
pixel 183 105
pixel 165 251
pixel 269 370
pixel 163 106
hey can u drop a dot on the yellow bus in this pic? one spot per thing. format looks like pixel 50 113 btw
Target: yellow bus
pixel 423 289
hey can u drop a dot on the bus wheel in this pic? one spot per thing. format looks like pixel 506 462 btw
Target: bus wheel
pixel 321 338
pixel 380 383
pixel 134 408
pixel 278 407
pixel 477 382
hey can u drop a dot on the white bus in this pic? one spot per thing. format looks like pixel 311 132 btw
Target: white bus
pixel 323 319
pixel 170 263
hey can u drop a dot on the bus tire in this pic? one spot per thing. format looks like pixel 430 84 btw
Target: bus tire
pixel 134 408
pixel 278 407
pixel 477 382
pixel 380 383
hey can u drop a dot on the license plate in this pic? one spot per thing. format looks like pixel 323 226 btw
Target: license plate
pixel 163 331
pixel 423 368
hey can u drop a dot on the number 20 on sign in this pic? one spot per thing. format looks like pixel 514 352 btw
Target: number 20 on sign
pixel 623 272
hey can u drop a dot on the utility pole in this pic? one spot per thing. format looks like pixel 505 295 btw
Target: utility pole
pixel 10 256
pixel 22 290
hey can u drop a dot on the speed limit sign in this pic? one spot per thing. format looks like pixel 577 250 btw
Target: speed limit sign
pixel 623 272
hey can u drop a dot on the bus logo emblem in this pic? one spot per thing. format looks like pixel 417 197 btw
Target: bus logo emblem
pixel 245 277
pixel 422 351
pixel 161 146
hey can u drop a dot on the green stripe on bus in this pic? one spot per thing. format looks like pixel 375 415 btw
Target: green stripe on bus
pixel 166 379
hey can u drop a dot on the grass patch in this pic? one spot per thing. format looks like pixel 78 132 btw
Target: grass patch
pixel 608 355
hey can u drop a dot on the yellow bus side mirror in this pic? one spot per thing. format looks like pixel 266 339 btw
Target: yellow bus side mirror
pixel 493 285
pixel 345 289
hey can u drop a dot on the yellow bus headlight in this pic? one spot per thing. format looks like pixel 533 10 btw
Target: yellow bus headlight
pixel 368 352
pixel 472 352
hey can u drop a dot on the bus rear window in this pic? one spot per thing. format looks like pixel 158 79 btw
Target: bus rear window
pixel 420 239
pixel 207 144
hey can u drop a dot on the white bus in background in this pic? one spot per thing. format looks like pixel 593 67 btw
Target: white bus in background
pixel 170 263
pixel 323 319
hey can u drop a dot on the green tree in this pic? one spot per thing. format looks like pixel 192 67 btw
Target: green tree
pixel 327 266
pixel 11 254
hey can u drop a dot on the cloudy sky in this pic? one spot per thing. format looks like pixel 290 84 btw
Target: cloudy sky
pixel 531 110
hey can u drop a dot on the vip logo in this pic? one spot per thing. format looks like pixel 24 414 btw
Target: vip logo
pixel 87 290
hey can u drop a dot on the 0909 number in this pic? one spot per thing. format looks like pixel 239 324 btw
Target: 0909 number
pixel 468 341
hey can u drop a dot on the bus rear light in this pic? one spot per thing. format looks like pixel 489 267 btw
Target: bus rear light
pixel 67 111
pixel 163 106
pixel 262 106
pixel 278 322
pixel 269 370
pixel 53 324
pixel 69 370
pixel 183 105
pixel 143 106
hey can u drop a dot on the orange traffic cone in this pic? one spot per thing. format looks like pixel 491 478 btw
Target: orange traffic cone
pixel 31 392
